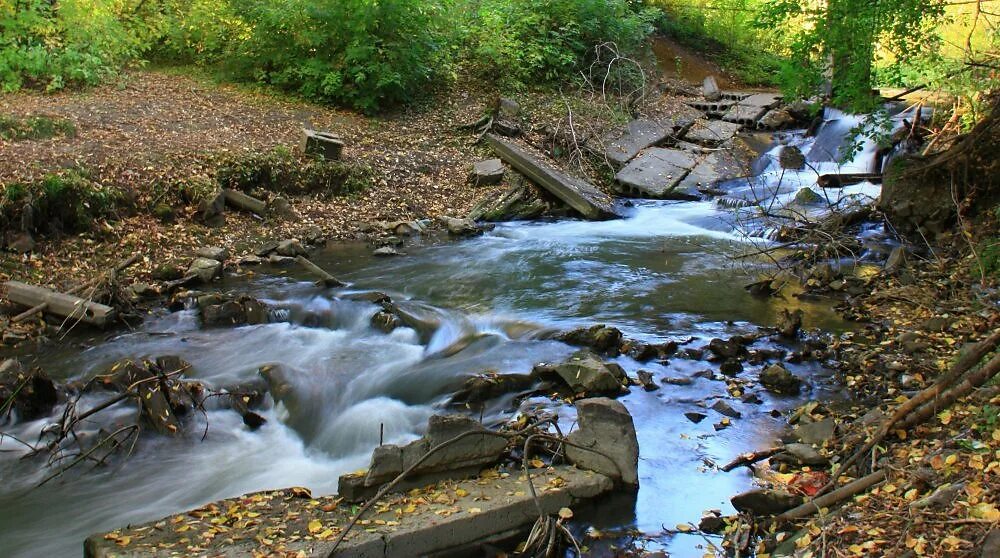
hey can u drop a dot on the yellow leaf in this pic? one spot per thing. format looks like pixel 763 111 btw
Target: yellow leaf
pixel 474 511
pixel 123 541
pixel 951 459
pixel 683 527
pixel 536 463
pixel 315 526
pixel 565 513
pixel 945 417
pixel 986 511
pixel 461 492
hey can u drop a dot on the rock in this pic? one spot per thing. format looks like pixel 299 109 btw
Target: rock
pixel 777 379
pixel 601 338
pixel 267 249
pixel 241 311
pixel 816 433
pixel 776 119
pixel 765 502
pixel 480 389
pixel 212 210
pixel 646 380
pixel 461 227
pixel 605 425
pixel 585 372
pixel 144 290
pixel 325 144
pixel 253 420
pixel 733 348
pixel 937 324
pixel 678 381
pixel 710 89
pixel 724 408
pixel 167 272
pixel 791 158
pixel 282 208
pixel 213 253
pixel 790 323
pixel 280 261
pixel 164 213
pixel 803 454
pixel 896 260
pixel 807 196
pixel 487 172
pixel 508 108
pixel 712 522
pixel 33 395
pixel 696 417
pixel 386 322
pixel 942 497
pixel 21 243
pixel 731 367
pixel 290 248
pixel 387 251
pixel 205 270
pixel 991 546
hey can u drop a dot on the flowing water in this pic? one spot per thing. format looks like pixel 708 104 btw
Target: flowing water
pixel 660 273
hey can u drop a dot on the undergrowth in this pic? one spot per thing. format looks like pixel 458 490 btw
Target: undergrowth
pixel 282 171
pixel 34 128
pixel 67 201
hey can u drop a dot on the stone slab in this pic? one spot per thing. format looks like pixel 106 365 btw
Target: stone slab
pixel 713 169
pixel 714 109
pixel 745 115
pixel 765 100
pixel 656 173
pixel 712 132
pixel 291 522
pixel 579 194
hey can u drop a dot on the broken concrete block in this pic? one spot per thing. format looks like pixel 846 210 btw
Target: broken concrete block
pixel 710 89
pixel 656 174
pixel 711 132
pixel 486 172
pixel 329 146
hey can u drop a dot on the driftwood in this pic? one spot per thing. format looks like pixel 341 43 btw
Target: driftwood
pixel 65 305
pixel 841 180
pixel 827 500
pixel 750 458
pixel 77 290
pixel 242 201
pixel 325 278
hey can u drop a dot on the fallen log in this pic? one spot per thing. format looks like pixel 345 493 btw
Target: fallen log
pixel 827 500
pixel 750 458
pixel 242 201
pixel 325 278
pixel 77 289
pixel 65 305
pixel 579 194
pixel 849 179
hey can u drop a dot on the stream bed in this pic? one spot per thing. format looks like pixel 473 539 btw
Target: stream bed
pixel 661 273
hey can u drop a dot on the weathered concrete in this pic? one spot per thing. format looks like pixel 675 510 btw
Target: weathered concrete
pixel 490 171
pixel 656 174
pixel 288 522
pixel 579 194
pixel 711 132
pixel 716 167
pixel 329 146
pixel 605 426
pixel 713 109
pixel 623 145
pixel 744 115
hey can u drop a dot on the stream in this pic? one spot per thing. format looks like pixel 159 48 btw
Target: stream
pixel 661 273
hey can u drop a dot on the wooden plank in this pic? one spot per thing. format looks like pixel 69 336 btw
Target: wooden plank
pixel 242 201
pixel 65 305
pixel 579 194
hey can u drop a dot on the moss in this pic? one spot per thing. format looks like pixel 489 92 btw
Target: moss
pixel 65 201
pixel 34 128
pixel 164 213
pixel 282 171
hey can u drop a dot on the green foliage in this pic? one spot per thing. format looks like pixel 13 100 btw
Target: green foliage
pixel 34 127
pixel 989 256
pixel 534 41
pixel 282 171
pixel 67 201
pixel 53 45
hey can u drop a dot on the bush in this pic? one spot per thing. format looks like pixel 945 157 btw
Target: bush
pixel 63 202
pixel 533 41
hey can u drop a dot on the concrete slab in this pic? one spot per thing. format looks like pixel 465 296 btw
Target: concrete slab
pixel 765 100
pixel 714 168
pixel 290 522
pixel 579 194
pixel 712 132
pixel 745 115
pixel 656 173
pixel 623 145
pixel 713 109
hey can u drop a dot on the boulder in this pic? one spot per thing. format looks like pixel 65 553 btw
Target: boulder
pixel 212 210
pixel 282 208
pixel 21 243
pixel 776 119
pixel 802 454
pixel 791 158
pixel 32 394
pixel 777 379
pixel 762 501
pixel 601 338
pixel 789 324
pixel 168 272
pixel 213 253
pixel 695 417
pixel 710 89
pixel 646 380
pixel 482 388
pixel 461 227
pixel 808 196
pixel 487 172
pixel 241 311
pixel 726 409
pixel 726 349
pixel 585 372
pixel 896 260
pixel 605 441
pixel 385 322
pixel 205 270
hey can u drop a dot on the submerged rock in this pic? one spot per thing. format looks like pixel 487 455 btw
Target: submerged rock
pixel 480 389
pixel 776 378
pixel 765 502
pixel 600 338
pixel 205 269
pixel 31 394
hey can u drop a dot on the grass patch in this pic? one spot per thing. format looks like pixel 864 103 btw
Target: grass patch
pixel 282 171
pixel 67 201
pixel 35 128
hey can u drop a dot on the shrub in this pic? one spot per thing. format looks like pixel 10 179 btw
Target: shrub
pixel 35 127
